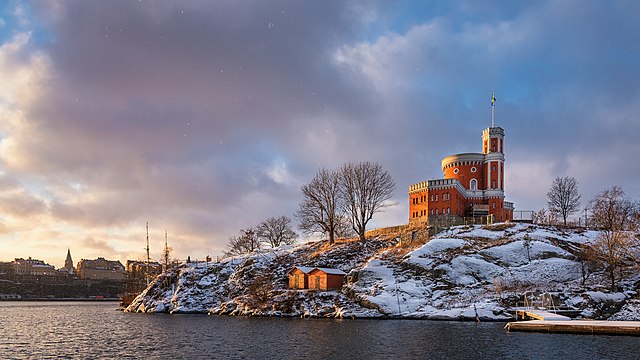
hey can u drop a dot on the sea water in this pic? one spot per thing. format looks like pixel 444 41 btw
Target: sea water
pixel 97 330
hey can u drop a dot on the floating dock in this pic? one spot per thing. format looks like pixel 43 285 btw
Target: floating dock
pixel 577 327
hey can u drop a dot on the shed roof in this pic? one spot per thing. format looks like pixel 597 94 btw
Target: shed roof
pixel 332 271
pixel 304 269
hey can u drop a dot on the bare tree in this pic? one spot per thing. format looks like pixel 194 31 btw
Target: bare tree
pixel 611 210
pixel 539 217
pixel 166 253
pixel 563 198
pixel 617 246
pixel 320 208
pixel 244 243
pixel 344 229
pixel 276 231
pixel 364 187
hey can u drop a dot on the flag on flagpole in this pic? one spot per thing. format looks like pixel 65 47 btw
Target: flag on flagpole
pixel 493 98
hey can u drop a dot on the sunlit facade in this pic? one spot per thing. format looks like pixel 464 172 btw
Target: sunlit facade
pixel 473 186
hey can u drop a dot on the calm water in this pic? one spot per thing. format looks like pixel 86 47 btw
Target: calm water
pixel 97 330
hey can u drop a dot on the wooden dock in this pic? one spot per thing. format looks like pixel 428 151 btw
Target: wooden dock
pixel 577 326
pixel 531 314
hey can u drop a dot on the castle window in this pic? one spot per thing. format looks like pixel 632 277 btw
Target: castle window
pixel 494 205
pixel 448 210
pixel 456 170
pixel 473 184
pixel 493 184
pixel 473 169
pixel 436 197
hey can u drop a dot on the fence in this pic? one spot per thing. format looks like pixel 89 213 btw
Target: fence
pixel 523 215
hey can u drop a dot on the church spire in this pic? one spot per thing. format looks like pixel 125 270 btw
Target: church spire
pixel 68 263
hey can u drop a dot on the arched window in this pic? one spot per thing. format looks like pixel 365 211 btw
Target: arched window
pixel 473 184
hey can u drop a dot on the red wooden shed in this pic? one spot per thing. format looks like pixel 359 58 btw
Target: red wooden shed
pixel 299 277
pixel 326 278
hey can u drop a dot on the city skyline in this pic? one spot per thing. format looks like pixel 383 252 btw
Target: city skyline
pixel 203 118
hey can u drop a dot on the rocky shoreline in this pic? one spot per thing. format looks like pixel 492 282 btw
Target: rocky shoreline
pixel 466 273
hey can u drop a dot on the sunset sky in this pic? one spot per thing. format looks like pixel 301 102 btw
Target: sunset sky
pixel 204 117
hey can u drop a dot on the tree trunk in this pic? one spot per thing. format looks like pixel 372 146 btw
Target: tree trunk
pixel 612 274
pixel 361 235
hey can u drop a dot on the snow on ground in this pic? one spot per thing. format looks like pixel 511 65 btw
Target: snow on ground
pixel 424 256
pixel 469 270
pixel 465 272
pixel 515 253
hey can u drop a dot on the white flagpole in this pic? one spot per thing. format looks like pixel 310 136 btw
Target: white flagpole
pixel 492 109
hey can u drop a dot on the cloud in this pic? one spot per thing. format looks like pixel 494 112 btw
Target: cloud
pixel 206 117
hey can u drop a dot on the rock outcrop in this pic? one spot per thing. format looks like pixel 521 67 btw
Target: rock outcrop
pixel 464 273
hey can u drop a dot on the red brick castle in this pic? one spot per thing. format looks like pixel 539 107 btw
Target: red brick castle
pixel 473 185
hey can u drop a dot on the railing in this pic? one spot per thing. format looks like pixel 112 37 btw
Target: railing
pixel 522 215
pixel 433 183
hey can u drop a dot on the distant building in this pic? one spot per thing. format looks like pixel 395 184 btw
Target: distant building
pixel 7 268
pixel 100 269
pixel 68 264
pixel 138 269
pixel 33 267
pixel 302 277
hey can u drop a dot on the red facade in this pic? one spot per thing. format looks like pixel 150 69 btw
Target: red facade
pixel 473 185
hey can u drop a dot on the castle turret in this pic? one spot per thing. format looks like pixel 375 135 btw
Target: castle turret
pixel 493 148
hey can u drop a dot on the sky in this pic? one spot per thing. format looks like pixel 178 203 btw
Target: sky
pixel 205 117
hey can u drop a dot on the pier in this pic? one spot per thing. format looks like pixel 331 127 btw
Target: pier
pixel 535 314
pixel 602 327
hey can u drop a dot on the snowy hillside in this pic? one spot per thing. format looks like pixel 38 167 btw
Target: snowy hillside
pixel 464 273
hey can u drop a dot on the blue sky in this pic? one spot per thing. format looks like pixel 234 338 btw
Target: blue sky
pixel 204 117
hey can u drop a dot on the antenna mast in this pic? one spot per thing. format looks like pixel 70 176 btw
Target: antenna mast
pixel 148 274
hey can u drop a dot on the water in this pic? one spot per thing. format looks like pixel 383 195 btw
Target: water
pixel 41 330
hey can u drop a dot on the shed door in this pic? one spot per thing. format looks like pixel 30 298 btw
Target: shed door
pixel 296 281
pixel 317 282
